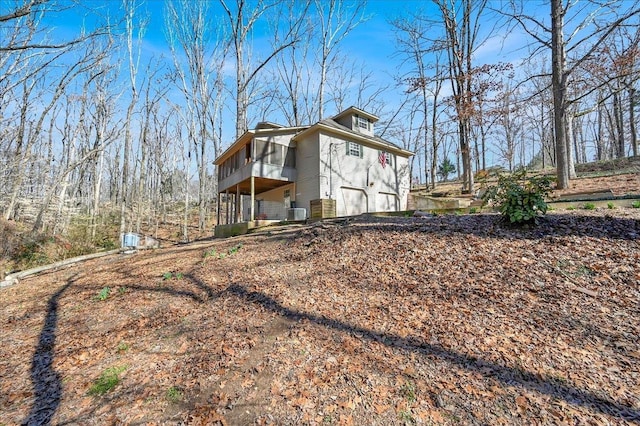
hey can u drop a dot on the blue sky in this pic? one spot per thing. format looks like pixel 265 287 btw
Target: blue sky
pixel 372 43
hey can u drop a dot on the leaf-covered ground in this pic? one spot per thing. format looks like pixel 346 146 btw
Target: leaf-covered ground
pixel 440 320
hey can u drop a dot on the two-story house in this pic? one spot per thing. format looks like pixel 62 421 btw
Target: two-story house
pixel 337 164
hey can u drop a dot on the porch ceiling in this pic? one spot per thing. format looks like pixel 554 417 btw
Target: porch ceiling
pixel 260 184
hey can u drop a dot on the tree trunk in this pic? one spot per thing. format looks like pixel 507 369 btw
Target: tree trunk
pixel 618 119
pixel 97 184
pixel 569 148
pixel 558 81
pixel 599 135
pixel 632 121
pixel 241 93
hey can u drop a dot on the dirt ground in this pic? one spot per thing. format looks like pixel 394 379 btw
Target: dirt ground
pixel 621 184
pixel 380 321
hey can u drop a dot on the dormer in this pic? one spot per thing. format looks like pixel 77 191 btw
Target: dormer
pixel 357 120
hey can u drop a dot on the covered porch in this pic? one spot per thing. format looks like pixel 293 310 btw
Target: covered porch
pixel 256 176
pixel 255 198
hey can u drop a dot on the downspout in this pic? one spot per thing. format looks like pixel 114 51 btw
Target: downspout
pixel 330 171
pixel 252 214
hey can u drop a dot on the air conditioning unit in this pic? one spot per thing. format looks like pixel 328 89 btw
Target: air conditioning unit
pixel 296 214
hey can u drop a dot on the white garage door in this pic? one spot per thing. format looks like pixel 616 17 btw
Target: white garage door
pixel 386 202
pixel 354 202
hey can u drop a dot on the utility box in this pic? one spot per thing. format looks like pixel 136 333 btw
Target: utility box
pixel 130 240
pixel 296 214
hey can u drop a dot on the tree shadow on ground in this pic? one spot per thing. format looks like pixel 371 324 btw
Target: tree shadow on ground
pixel 46 381
pixel 508 375
pixel 47 384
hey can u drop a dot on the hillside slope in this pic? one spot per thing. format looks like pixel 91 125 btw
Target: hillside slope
pixel 440 320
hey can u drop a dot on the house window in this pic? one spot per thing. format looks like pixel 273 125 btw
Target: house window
pixel 354 149
pixel 272 153
pixel 363 123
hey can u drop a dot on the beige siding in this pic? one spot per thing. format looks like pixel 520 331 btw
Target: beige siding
pixel 308 161
pixel 369 184
pixel 354 123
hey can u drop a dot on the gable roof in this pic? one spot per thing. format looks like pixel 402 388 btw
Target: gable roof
pixel 262 129
pixel 330 125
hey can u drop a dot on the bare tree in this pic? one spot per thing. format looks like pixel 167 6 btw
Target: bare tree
pixel 294 93
pixel 462 23
pixel 592 24
pixel 241 20
pixel 91 132
pixel 413 41
pixel 408 127
pixel 336 19
pixel 134 29
pixel 154 93
pixel 350 83
pixel 509 127
pixel 22 29
pixel 615 66
pixel 192 37
pixel 31 122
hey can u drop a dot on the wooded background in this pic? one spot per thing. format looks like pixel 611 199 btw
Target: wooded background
pixel 97 130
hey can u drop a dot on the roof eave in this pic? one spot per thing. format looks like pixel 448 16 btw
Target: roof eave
pixel 232 148
pixel 362 138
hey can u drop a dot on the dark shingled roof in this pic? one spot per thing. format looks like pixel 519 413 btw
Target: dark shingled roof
pixel 331 123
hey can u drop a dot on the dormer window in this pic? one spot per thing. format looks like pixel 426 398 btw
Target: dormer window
pixel 362 122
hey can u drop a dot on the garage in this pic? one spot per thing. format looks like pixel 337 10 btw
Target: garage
pixel 386 202
pixel 353 202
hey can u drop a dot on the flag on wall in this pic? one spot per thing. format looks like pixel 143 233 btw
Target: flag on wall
pixel 382 157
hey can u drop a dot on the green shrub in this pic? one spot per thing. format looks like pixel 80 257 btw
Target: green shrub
pixel 519 199
pixel 107 381
pixel 210 253
pixel 611 206
pixel 174 394
pixel 408 390
pixel 234 250
pixel 104 294
pixel 636 204
pixel 589 206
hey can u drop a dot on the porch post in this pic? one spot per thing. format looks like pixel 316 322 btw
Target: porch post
pixel 253 200
pixel 238 207
pixel 226 192
pixel 218 208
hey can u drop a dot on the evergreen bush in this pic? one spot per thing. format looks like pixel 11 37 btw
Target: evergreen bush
pixel 520 199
